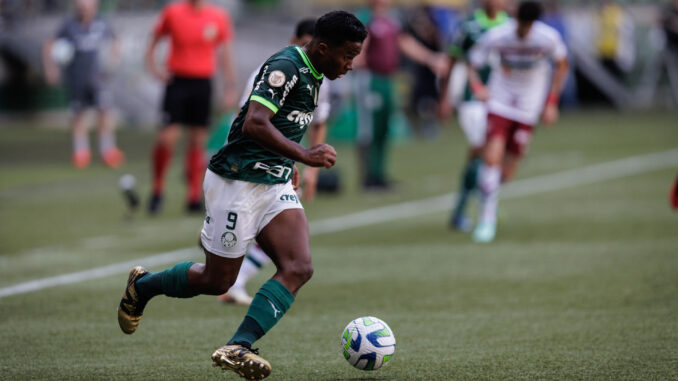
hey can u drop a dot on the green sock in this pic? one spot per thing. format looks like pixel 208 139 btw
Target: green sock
pixel 468 184
pixel 171 282
pixel 268 306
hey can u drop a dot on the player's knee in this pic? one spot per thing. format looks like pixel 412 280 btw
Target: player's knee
pixel 300 271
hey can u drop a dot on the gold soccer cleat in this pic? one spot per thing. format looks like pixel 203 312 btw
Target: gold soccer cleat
pixel 131 308
pixel 245 362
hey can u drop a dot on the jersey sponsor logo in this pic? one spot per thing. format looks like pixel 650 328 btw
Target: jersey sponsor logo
pixel 288 87
pixel 275 171
pixel 229 239
pixel 209 32
pixel 289 198
pixel 304 70
pixel 276 78
pixel 300 117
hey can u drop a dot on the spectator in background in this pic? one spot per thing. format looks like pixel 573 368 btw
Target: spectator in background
pixel 77 47
pixel 670 25
pixel 554 18
pixel 196 30
pixel 616 40
pixel 424 97
pixel 381 58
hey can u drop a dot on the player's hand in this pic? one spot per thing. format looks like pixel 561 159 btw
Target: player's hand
pixel 295 177
pixel 550 114
pixel 161 75
pixel 322 155
pixel 439 64
pixel 480 91
pixel 310 182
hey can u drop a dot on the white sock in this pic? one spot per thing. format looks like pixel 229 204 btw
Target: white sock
pixel 106 141
pixel 251 265
pixel 489 183
pixel 80 142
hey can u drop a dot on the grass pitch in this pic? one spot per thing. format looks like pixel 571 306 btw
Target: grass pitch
pixel 580 283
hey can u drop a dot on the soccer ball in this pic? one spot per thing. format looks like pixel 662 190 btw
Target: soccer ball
pixel 368 343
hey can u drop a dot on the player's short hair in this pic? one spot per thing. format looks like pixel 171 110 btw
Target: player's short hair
pixel 338 27
pixel 305 27
pixel 529 11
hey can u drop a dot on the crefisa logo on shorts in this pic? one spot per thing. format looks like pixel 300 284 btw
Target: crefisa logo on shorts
pixel 229 239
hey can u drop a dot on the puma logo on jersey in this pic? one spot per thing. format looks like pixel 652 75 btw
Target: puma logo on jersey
pixel 300 117
pixel 273 94
pixel 275 310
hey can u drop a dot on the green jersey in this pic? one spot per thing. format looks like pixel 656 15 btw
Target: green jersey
pixel 468 34
pixel 288 84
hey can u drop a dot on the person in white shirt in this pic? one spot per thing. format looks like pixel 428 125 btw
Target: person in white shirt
pixel 522 88
pixel 256 258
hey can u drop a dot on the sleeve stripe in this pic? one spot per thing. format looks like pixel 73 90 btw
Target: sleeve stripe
pixel 264 102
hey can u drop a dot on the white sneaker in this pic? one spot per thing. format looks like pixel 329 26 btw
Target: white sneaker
pixel 485 232
pixel 236 296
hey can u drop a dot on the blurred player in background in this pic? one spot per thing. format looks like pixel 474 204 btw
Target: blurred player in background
pixel 472 112
pixel 77 46
pixel 196 30
pixel 520 89
pixel 381 58
pixel 256 258
pixel 249 194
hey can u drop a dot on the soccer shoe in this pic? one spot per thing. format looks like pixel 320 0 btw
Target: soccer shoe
pixel 245 362
pixel 155 204
pixel 485 232
pixel 461 223
pixel 195 207
pixel 131 307
pixel 236 296
pixel 113 158
pixel 81 158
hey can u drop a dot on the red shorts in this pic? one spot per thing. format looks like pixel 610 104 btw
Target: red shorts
pixel 516 135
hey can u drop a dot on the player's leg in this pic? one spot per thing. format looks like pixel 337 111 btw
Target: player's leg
pixel 80 135
pixel 285 240
pixel 106 120
pixel 490 177
pixel 199 99
pixel 163 147
pixel 473 121
pixel 252 264
pixel 380 97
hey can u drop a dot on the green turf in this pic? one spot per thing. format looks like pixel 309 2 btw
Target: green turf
pixel 580 284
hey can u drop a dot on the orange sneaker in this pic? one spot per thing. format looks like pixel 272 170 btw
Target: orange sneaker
pixel 113 157
pixel 81 158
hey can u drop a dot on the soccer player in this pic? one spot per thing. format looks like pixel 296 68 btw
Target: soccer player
pixel 256 258
pixel 86 81
pixel 249 194
pixel 520 89
pixel 197 30
pixel 472 112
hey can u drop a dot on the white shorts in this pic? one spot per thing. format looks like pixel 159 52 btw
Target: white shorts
pixel 473 121
pixel 238 210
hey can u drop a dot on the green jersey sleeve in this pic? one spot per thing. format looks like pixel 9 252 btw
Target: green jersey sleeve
pixel 274 83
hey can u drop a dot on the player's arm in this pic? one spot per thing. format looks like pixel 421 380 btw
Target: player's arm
pixel 420 54
pixel 50 67
pixel 160 30
pixel 478 57
pixel 259 128
pixel 559 56
pixel 550 114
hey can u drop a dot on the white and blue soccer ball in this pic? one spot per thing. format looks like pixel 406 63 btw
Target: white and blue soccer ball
pixel 368 343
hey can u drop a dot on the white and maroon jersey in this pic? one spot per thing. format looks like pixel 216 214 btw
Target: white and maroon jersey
pixel 521 75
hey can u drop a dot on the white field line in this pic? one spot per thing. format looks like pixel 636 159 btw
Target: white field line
pixel 561 180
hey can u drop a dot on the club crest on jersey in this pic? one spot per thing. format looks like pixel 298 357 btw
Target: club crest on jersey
pixel 229 239
pixel 210 32
pixel 276 78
